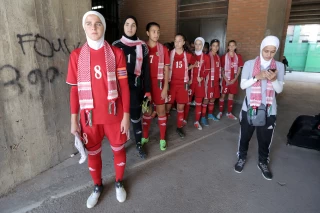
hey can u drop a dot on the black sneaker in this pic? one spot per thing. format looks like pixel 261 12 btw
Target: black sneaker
pixel 239 165
pixel 141 151
pixel 180 132
pixel 265 171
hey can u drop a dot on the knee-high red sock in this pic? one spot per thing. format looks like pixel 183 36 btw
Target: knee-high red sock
pixel 162 123
pixel 230 105
pixel 221 105
pixel 180 118
pixel 95 167
pixel 146 125
pixel 210 108
pixel 198 109
pixel 186 111
pixel 204 110
pixel 119 153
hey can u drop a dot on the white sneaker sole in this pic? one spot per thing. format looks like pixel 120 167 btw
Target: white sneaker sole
pixel 237 171
pixel 263 174
pixel 92 203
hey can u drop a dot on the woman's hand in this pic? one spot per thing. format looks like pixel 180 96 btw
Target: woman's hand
pixel 164 93
pixel 125 123
pixel 262 75
pixel 271 76
pixel 74 124
pixel 199 79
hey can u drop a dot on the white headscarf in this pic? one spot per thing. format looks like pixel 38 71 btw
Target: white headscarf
pixel 202 40
pixel 99 43
pixel 268 41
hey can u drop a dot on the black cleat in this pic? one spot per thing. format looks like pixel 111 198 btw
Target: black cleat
pixel 180 132
pixel 141 151
pixel 265 171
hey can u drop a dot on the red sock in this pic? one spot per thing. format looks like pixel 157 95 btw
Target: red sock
pixel 198 111
pixel 211 108
pixel 204 110
pixel 162 123
pixel 146 125
pixel 95 167
pixel 221 105
pixel 230 105
pixel 119 161
pixel 186 111
pixel 180 118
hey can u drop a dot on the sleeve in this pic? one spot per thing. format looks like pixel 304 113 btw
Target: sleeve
pixel 72 69
pixel 191 59
pixel 207 66
pixel 278 84
pixel 166 56
pixel 74 100
pixel 123 80
pixel 146 73
pixel 240 61
pixel 246 79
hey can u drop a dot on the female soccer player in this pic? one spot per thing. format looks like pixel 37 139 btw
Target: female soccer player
pixel 232 63
pixel 98 76
pixel 136 52
pixel 212 83
pixel 159 63
pixel 180 58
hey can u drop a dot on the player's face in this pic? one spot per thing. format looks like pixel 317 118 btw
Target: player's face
pixel 268 52
pixel 198 45
pixel 232 46
pixel 93 27
pixel 178 42
pixel 215 47
pixel 154 33
pixel 130 27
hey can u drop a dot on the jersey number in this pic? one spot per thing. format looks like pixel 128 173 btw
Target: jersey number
pixel 129 58
pixel 151 58
pixel 97 72
pixel 179 64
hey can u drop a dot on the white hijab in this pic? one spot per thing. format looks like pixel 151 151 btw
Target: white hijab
pixel 202 40
pixel 99 43
pixel 268 41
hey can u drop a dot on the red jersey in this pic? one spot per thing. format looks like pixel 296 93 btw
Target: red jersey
pixel 178 68
pixel 99 85
pixel 240 64
pixel 217 70
pixel 154 60
pixel 205 67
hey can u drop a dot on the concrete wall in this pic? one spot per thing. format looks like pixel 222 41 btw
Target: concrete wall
pixel 36 39
pixel 163 12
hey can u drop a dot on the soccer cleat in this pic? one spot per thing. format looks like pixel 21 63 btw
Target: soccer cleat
pixel 180 132
pixel 184 122
pixel 120 192
pixel 204 121
pixel 197 125
pixel 141 151
pixel 144 141
pixel 94 197
pixel 232 117
pixel 163 145
pixel 265 171
pixel 239 165
pixel 219 116
pixel 212 117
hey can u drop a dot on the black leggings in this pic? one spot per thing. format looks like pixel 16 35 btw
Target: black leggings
pixel 135 116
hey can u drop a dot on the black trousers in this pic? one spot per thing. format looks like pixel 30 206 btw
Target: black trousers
pixel 264 136
pixel 135 116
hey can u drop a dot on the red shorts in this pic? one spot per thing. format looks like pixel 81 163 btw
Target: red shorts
pixel 156 92
pixel 178 94
pixel 232 89
pixel 213 90
pixel 196 90
pixel 93 136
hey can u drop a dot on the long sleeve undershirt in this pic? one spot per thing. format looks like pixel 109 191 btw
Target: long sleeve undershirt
pixel 277 85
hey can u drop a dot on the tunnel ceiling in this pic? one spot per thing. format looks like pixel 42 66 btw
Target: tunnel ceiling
pixel 305 12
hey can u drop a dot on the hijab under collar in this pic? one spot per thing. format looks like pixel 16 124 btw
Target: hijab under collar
pixel 99 43
pixel 268 41
pixel 134 37
pixel 202 40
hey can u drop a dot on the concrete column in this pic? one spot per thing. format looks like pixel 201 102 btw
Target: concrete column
pixel 37 37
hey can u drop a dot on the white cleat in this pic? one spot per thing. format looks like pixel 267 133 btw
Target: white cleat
pixel 120 192
pixel 94 197
pixel 197 125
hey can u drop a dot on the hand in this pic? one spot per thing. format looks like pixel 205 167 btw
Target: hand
pixel 199 79
pixel 149 97
pixel 75 127
pixel 271 76
pixel 164 93
pixel 232 81
pixel 190 82
pixel 261 75
pixel 125 123
pixel 197 64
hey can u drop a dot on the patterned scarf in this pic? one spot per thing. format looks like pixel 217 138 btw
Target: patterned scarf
pixel 84 80
pixel 160 64
pixel 228 65
pixel 139 57
pixel 199 68
pixel 256 96
pixel 213 66
pixel 186 77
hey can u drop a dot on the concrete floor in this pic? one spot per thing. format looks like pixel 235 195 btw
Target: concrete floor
pixel 195 174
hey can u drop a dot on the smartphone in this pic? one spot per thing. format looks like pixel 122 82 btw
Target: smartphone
pixel 273 70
